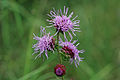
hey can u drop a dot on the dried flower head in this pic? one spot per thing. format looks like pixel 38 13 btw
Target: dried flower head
pixel 44 43
pixel 71 50
pixel 62 22
pixel 59 70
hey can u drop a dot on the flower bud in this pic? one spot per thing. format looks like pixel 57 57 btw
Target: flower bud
pixel 59 70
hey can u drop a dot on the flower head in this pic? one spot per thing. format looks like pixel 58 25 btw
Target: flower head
pixel 59 70
pixel 71 50
pixel 62 22
pixel 44 43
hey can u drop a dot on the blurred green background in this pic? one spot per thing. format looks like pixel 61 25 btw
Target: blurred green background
pixel 100 38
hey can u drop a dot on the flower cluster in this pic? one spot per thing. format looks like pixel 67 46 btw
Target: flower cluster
pixel 63 23
pixel 44 44
pixel 70 49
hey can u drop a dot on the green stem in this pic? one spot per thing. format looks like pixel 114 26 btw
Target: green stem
pixel 63 78
pixel 60 58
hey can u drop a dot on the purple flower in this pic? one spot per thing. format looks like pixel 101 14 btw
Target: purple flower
pixel 59 70
pixel 62 22
pixel 70 49
pixel 44 43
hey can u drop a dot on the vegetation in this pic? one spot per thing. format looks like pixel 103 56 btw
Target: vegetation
pixel 100 38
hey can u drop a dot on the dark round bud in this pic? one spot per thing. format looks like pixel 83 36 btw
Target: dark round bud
pixel 59 70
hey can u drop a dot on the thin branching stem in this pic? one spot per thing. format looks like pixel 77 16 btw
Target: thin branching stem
pixel 60 58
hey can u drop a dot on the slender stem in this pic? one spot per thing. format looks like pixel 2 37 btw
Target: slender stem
pixel 63 78
pixel 60 58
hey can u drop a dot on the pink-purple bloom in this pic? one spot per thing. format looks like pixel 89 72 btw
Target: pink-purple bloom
pixel 62 22
pixel 70 49
pixel 44 43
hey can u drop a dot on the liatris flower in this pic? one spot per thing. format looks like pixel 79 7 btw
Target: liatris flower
pixel 70 49
pixel 59 70
pixel 62 22
pixel 44 43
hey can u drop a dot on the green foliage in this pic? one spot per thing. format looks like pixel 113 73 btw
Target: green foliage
pixel 65 57
pixel 100 38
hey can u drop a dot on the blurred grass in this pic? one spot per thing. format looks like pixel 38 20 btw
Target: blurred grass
pixel 100 37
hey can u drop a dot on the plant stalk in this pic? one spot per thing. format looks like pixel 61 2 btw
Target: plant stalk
pixel 60 58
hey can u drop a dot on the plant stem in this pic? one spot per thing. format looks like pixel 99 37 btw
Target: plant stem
pixel 60 58
pixel 62 77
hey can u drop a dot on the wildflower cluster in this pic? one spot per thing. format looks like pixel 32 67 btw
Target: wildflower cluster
pixel 63 23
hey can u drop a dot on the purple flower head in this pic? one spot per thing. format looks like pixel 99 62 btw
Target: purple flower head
pixel 44 43
pixel 70 49
pixel 59 70
pixel 62 22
